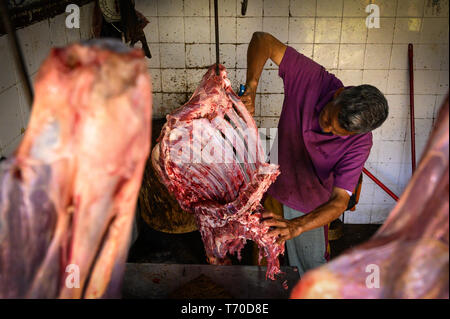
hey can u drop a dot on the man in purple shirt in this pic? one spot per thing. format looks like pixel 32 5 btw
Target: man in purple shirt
pixel 324 140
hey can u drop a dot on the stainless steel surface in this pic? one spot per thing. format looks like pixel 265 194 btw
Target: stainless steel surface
pixel 242 282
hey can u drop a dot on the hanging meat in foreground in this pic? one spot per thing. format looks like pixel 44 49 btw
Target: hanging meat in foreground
pixel 68 195
pixel 210 157
pixel 408 256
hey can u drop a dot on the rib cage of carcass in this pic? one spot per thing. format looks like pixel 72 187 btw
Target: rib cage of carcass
pixel 210 158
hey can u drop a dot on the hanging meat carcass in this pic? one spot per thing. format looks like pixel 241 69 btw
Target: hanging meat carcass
pixel 409 256
pixel 68 195
pixel 210 157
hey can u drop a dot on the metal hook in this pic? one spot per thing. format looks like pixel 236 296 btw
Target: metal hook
pixel 216 21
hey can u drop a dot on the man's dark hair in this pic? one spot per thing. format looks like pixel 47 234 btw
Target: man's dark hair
pixel 363 108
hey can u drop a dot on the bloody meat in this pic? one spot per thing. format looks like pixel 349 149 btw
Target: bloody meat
pixel 68 195
pixel 210 157
pixel 408 256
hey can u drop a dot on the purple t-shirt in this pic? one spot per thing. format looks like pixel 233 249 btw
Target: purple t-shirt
pixel 311 161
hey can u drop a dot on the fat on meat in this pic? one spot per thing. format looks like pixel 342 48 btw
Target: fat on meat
pixel 68 193
pixel 210 157
pixel 408 257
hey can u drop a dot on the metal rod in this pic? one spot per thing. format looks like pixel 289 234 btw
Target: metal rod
pixel 17 52
pixel 384 187
pixel 216 21
pixel 244 7
pixel 411 106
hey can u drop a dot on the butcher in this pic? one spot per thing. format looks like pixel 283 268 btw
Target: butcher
pixel 324 138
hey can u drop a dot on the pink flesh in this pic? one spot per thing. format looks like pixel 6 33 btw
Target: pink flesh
pixel 225 196
pixel 88 138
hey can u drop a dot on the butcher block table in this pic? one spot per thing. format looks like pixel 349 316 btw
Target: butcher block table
pixel 157 281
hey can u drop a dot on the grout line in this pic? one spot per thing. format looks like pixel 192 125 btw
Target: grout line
pixel 10 86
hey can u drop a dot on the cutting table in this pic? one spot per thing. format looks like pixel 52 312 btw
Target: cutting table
pixel 157 281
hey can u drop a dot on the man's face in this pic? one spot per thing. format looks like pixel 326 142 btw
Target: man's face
pixel 328 120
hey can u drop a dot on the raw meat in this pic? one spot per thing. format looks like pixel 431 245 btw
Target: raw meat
pixel 408 257
pixel 210 158
pixel 68 195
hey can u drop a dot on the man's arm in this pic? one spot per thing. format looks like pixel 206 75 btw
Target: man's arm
pixel 321 216
pixel 262 47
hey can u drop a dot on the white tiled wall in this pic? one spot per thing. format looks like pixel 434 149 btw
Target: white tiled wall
pixel 332 32
pixel 36 41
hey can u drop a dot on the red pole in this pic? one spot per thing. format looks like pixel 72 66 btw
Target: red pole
pixel 411 106
pixel 387 190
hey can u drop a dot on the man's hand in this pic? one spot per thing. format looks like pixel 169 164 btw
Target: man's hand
pixel 248 98
pixel 284 229
pixel 262 46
